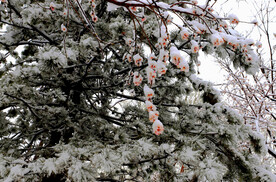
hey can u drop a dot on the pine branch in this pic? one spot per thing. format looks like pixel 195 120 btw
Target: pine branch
pixel 43 34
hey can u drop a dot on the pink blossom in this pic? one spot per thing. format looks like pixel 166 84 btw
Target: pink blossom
pixel 151 74
pixel 258 44
pixel 137 60
pixel 149 93
pixel 163 56
pixel 137 78
pixel 63 28
pixel 184 66
pixel 157 127
pixel 175 55
pixel 153 115
pixel 52 6
pixel 161 68
pixel 216 39
pixel 128 41
pixel 233 19
pixel 152 64
pixel 194 47
pixel 150 106
pixel 184 34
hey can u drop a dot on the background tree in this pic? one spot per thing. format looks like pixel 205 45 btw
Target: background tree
pixel 84 101
pixel 254 95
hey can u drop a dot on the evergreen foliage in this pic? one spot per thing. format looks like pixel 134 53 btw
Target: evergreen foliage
pixel 85 101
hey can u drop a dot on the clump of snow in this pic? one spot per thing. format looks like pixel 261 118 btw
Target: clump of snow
pixel 49 166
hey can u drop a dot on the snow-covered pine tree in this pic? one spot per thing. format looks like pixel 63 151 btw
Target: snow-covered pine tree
pixel 98 93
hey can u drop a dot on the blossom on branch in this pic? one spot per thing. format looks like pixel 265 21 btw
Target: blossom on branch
pixel 150 106
pixel 184 33
pixel 216 39
pixel 52 6
pixel 233 19
pixel 175 55
pixel 63 28
pixel 151 75
pixel 104 106
pixel 258 44
pixel 194 47
pixel 64 13
pixel 183 65
pixel 149 93
pixel 152 64
pixel 137 78
pixel 161 67
pixel 137 60
pixel 163 56
pixel 157 127
pixel 153 115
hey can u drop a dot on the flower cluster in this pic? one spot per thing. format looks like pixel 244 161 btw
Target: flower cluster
pixel 197 27
pixel 151 75
pixel 193 32
pixel 137 60
pixel 155 67
pixel 178 60
pixel 93 14
pixel 163 56
pixel 216 39
pixel 233 19
pixel 137 78
pixel 52 8
pixel 152 69
pixel 232 41
pixel 157 125
pixel 223 24
pixel 163 40
pixel 184 34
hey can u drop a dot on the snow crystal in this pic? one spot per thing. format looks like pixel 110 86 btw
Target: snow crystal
pixel 265 175
pixel 189 154
pixel 3 169
pixel 35 167
pixel 63 158
pixel 17 71
pixel 147 147
pixel 75 171
pixel 49 166
pixel 55 55
pixel 19 161
pixel 18 171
